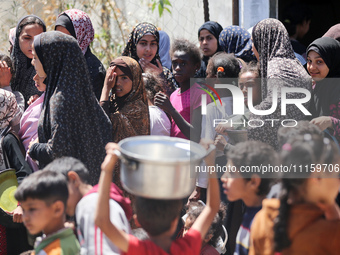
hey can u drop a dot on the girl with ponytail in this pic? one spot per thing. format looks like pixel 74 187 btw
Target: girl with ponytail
pixel 306 209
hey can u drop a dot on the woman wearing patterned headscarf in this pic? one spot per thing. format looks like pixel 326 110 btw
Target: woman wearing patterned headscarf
pixel 208 35
pixel 72 123
pixel 78 24
pixel 143 46
pixel 234 39
pixel 127 106
pixel 28 27
pixel 13 236
pixel 278 68
pixel 16 160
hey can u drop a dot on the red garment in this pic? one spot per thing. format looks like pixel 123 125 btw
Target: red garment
pixel 117 195
pixel 209 250
pixel 190 244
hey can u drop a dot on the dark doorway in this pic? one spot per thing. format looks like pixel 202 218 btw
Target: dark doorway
pixel 325 13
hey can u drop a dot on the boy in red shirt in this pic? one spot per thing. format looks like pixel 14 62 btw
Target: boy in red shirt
pixel 158 217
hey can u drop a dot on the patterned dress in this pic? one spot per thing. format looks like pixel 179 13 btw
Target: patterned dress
pixel 279 69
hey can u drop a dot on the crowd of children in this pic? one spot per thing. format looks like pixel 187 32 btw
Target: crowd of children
pixel 63 115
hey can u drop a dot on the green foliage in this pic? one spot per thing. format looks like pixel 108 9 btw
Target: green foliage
pixel 162 5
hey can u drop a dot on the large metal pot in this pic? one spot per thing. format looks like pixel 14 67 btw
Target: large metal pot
pixel 159 167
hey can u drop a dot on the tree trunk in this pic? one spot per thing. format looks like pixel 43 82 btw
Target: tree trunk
pixel 206 10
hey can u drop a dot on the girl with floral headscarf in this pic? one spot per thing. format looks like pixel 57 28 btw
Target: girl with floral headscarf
pixel 143 46
pixel 78 24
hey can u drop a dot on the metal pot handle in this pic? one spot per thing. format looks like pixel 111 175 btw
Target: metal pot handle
pixel 133 165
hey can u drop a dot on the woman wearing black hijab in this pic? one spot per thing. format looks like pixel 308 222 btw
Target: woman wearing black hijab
pixel 323 64
pixel 208 35
pixel 72 123
pixel 28 27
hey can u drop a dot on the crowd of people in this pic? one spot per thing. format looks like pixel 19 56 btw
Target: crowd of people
pixel 63 115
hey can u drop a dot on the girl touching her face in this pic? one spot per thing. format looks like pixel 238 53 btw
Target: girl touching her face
pixel 124 101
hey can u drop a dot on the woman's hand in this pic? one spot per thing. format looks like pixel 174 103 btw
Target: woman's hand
pixel 210 158
pixel 110 78
pixel 148 66
pixel 220 142
pixel 109 83
pixel 5 74
pixel 223 128
pixel 162 101
pixel 32 142
pixel 32 99
pixel 17 215
pixel 322 122
pixel 195 195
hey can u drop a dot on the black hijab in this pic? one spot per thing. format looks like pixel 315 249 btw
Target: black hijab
pixel 326 91
pixel 24 71
pixel 214 28
pixel 72 123
pixel 65 21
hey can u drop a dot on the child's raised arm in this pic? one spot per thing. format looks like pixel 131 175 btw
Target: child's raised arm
pixel 102 217
pixel 205 219
pixel 162 101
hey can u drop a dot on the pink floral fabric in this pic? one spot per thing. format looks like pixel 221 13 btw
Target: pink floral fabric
pixel 82 26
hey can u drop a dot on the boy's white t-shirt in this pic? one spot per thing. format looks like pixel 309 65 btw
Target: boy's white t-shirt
pixel 91 238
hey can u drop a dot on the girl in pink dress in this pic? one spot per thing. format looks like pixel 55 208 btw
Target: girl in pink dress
pixel 29 120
